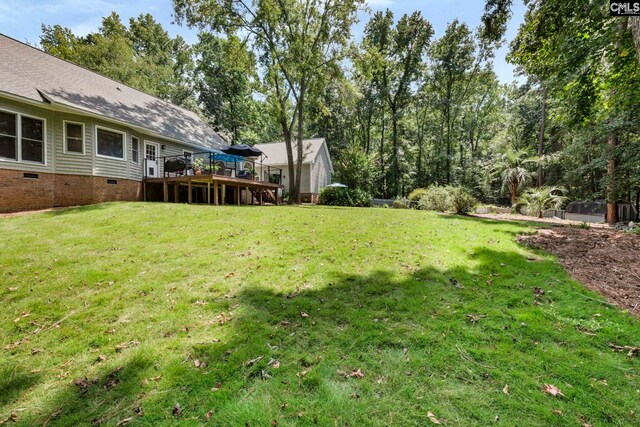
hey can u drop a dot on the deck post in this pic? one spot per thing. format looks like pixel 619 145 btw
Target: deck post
pixel 165 191
pixel 223 195
pixel 189 196
pixel 261 191
pixel 208 192
pixel 144 191
pixel 246 196
pixel 276 193
pixel 215 193
pixel 238 195
pixel 176 193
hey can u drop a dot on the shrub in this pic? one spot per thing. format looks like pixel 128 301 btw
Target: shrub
pixel 435 199
pixel 536 200
pixel 417 194
pixel 336 196
pixel 461 201
pixel 449 198
pixel 401 203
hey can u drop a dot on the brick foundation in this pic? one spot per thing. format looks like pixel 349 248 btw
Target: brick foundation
pixel 22 191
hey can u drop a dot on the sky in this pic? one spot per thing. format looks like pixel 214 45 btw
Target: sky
pixel 22 19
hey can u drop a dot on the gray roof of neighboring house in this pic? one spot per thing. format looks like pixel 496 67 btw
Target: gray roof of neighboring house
pixel 276 152
pixel 30 73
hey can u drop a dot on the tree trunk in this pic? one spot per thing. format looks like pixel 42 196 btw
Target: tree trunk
pixel 634 23
pixel 396 165
pixel 382 166
pixel 448 117
pixel 612 201
pixel 300 142
pixel 543 119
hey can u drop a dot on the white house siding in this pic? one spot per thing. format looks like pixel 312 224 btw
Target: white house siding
pixel 41 113
pixel 72 163
pixel 57 161
pixel 321 172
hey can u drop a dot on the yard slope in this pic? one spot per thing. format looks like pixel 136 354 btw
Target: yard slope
pixel 173 314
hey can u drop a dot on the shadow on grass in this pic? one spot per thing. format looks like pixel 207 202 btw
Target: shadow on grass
pixel 76 209
pixel 428 340
pixel 15 381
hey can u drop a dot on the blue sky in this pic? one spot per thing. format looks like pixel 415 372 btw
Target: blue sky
pixel 21 19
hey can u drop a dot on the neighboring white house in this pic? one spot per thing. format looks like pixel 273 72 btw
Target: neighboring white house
pixel 316 166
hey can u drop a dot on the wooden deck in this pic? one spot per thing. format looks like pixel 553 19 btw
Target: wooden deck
pixel 219 184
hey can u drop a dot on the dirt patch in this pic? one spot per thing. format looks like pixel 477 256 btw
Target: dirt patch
pixel 604 260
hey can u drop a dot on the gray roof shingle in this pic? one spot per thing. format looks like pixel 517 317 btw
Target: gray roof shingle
pixel 30 73
pixel 276 152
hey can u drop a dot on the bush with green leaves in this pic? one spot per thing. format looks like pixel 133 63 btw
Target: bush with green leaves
pixel 536 200
pixel 400 203
pixel 337 196
pixel 417 194
pixel 447 199
pixel 435 199
pixel 461 201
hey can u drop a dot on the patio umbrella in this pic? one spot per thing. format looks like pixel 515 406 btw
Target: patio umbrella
pixel 337 184
pixel 242 150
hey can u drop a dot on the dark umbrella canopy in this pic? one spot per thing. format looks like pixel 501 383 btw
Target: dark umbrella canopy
pixel 242 150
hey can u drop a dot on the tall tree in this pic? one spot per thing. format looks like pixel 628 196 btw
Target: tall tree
pixel 399 58
pixel 226 80
pixel 296 39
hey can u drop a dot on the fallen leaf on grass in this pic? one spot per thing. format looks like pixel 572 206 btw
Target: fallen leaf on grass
pixel 199 302
pixel 355 396
pixel 35 351
pixel 217 387
pixel 112 379
pixel 456 284
pixel 505 389
pixel 13 289
pixel 22 316
pixel 274 363
pixel 558 412
pixel 304 314
pixel 177 410
pixel 208 415
pixel 126 345
pixel 101 358
pixel 254 361
pixel 16 344
pixel 354 374
pixel 222 318
pixel 433 418
pixel 553 390
pixel 199 364
pixel 631 350
pixel 226 276
pixel 82 384
pixel 125 421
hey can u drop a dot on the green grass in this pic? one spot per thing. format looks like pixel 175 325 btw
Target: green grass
pixel 386 291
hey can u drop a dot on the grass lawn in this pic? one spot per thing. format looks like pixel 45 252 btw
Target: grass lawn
pixel 175 314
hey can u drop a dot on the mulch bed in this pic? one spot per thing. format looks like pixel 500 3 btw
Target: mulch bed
pixel 606 261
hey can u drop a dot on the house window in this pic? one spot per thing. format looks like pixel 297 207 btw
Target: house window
pixel 135 149
pixel 110 143
pixel 32 140
pixel 74 137
pixel 8 135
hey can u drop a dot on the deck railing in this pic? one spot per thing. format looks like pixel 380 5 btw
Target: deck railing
pixel 208 163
